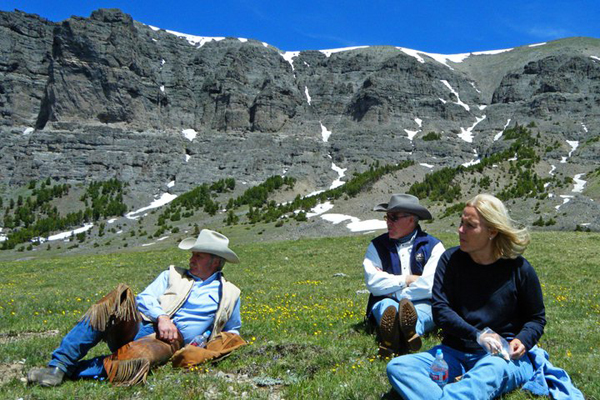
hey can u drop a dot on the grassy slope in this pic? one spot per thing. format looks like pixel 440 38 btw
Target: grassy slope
pixel 303 322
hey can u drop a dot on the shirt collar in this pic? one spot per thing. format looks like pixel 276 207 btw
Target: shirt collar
pixel 216 275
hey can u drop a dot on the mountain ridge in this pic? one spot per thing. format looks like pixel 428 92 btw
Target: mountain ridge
pixel 89 99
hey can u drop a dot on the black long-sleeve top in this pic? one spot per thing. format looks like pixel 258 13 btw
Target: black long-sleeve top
pixel 468 297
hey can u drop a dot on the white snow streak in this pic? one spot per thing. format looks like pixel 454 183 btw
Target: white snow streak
pixel 355 224
pixel 412 53
pixel 467 135
pixel 289 57
pixel 552 170
pixel 537 44
pixel 475 87
pixel 426 165
pixel 584 127
pixel 162 88
pixel 459 102
pixel 171 184
pixel 579 183
pixel 325 133
pixel 411 134
pixel 341 172
pixel 329 52
pixel 189 134
pixel 574 144
pixel 595 58
pixel 307 95
pixel 28 131
pixel 419 122
pixel 319 209
pixel 65 235
pixel 198 41
pixel 165 198
pixel 566 199
pixel 445 58
pixel 499 134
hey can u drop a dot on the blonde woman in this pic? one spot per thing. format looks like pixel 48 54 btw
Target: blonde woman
pixel 483 283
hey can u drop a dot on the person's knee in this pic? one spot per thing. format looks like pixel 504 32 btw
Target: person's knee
pixel 396 366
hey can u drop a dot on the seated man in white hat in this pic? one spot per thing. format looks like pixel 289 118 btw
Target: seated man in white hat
pixel 146 330
pixel 399 267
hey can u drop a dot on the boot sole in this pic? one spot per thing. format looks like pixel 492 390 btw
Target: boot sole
pixel 407 316
pixel 389 332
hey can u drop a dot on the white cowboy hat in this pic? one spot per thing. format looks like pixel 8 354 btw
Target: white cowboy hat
pixel 210 242
pixel 404 202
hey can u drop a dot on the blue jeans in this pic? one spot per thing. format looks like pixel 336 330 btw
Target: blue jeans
pixel 424 315
pixel 483 376
pixel 76 344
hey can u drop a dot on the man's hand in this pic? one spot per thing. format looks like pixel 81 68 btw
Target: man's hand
pixel 167 330
pixel 410 279
pixel 517 349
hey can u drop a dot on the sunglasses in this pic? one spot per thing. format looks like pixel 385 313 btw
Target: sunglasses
pixel 395 217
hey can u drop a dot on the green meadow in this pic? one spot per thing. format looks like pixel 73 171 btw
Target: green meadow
pixel 302 308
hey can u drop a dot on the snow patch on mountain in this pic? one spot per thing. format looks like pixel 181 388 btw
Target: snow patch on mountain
pixel 325 133
pixel 329 52
pixel 574 144
pixel 467 134
pixel 499 134
pixel 341 173
pixel 68 234
pixel 579 183
pixel 355 224
pixel 459 101
pixel 189 134
pixel 165 198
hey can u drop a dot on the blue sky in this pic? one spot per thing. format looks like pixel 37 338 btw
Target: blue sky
pixel 439 26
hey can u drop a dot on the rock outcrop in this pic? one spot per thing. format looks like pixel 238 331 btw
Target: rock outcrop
pixel 106 96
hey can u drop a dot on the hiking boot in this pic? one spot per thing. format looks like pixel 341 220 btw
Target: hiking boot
pixel 389 334
pixel 49 376
pixel 407 317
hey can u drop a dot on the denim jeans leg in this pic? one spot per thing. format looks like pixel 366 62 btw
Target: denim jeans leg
pixel 490 377
pixel 425 317
pixel 409 376
pixel 74 346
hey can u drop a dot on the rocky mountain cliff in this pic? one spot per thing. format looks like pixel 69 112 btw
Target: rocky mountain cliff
pixel 108 97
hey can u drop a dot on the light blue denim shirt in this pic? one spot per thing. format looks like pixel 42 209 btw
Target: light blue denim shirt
pixel 197 314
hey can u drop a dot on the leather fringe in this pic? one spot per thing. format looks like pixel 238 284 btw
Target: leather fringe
pixel 118 305
pixel 127 372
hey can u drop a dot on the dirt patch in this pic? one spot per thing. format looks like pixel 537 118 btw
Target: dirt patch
pixel 10 371
pixel 14 337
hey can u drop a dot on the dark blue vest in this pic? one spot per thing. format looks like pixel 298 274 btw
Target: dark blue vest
pixel 421 251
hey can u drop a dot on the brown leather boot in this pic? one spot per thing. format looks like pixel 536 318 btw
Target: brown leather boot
pixel 407 317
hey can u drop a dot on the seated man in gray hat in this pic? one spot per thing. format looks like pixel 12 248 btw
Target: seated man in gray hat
pixel 399 267
pixel 146 330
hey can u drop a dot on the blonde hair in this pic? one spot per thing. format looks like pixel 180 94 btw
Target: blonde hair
pixel 511 241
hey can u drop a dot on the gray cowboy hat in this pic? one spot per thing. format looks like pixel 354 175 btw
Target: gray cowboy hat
pixel 210 242
pixel 404 202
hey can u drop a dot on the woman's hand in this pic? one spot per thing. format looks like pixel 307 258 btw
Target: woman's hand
pixel 517 349
pixel 167 330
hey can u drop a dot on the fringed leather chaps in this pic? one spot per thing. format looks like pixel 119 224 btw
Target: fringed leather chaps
pixel 131 363
pixel 116 315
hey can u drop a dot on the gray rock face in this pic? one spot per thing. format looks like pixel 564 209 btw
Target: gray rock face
pixel 106 96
